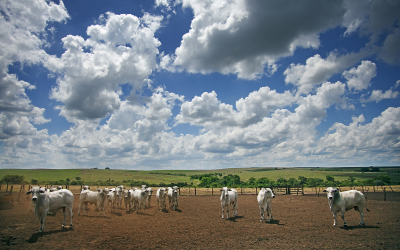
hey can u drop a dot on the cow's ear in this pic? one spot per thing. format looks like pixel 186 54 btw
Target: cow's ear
pixel 229 189
pixel 41 191
pixel 335 189
pixel 29 192
pixel 220 189
pixel 325 190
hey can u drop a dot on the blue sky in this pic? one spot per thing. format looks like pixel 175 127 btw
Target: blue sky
pixel 190 84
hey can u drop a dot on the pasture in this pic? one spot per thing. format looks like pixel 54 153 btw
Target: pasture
pixel 167 176
pixel 299 222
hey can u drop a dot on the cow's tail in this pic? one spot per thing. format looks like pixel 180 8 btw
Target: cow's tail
pixel 367 209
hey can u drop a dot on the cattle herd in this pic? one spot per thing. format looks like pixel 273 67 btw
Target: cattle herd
pixel 51 200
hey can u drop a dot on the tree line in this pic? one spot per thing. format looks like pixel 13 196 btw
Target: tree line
pixel 216 180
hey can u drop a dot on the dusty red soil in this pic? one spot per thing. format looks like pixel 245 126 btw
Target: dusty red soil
pixel 300 222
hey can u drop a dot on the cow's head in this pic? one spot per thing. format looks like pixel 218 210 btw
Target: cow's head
pixel 35 191
pixel 330 192
pixel 225 190
pixel 269 193
pixel 117 191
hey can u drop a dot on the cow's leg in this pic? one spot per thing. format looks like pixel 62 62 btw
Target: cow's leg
pixel 342 215
pixel 227 211
pixel 334 218
pixel 70 215
pixel 223 212
pixel 42 219
pixel 65 217
pixel 261 213
pixel 236 208
pixel 269 212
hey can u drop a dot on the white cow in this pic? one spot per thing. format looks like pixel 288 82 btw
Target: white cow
pixel 140 198
pixel 85 188
pixel 264 203
pixel 132 201
pixel 160 195
pixel 150 191
pixel 110 198
pixel 173 197
pixel 98 198
pixel 51 202
pixel 344 201
pixel 128 198
pixel 119 193
pixel 229 196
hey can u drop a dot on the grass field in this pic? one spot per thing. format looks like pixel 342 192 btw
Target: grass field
pixel 168 176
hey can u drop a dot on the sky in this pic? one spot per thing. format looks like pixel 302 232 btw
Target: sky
pixel 199 84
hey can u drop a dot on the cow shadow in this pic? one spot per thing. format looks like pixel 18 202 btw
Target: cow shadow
pixel 177 210
pixel 275 222
pixel 98 216
pixel 234 219
pixel 144 214
pixel 34 238
pixel 117 213
pixel 357 227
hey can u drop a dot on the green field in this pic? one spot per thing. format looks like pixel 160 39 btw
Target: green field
pixel 168 176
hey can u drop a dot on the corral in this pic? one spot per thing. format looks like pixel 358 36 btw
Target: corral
pixel 300 222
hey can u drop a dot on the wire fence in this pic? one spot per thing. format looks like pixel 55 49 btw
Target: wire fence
pixel 9 194
pixel 295 190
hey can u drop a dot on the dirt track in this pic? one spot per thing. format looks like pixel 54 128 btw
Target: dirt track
pixel 300 222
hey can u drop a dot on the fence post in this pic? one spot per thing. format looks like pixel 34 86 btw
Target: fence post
pixel 7 188
pixel 241 191
pixel 19 193
pixel 297 190
pixel 194 190
pixel 189 190
pixel 179 191
pixel 384 193
pixel 11 189
pixel 212 191
pixel 366 194
pixel 256 190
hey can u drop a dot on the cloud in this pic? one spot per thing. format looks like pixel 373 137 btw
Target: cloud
pixel 241 37
pixel 209 112
pixel 318 70
pixel 360 78
pixel 377 20
pixel 379 95
pixel 123 50
pixel 376 141
pixel 22 37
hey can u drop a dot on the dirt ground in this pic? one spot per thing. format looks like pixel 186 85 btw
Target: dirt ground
pixel 300 222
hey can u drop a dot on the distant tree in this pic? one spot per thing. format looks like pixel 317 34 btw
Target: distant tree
pixel 281 182
pixel 364 170
pixel 351 179
pixel 384 178
pixel 330 178
pixel 107 168
pixel 34 182
pixel 13 178
pixel 302 180
pixel 78 178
